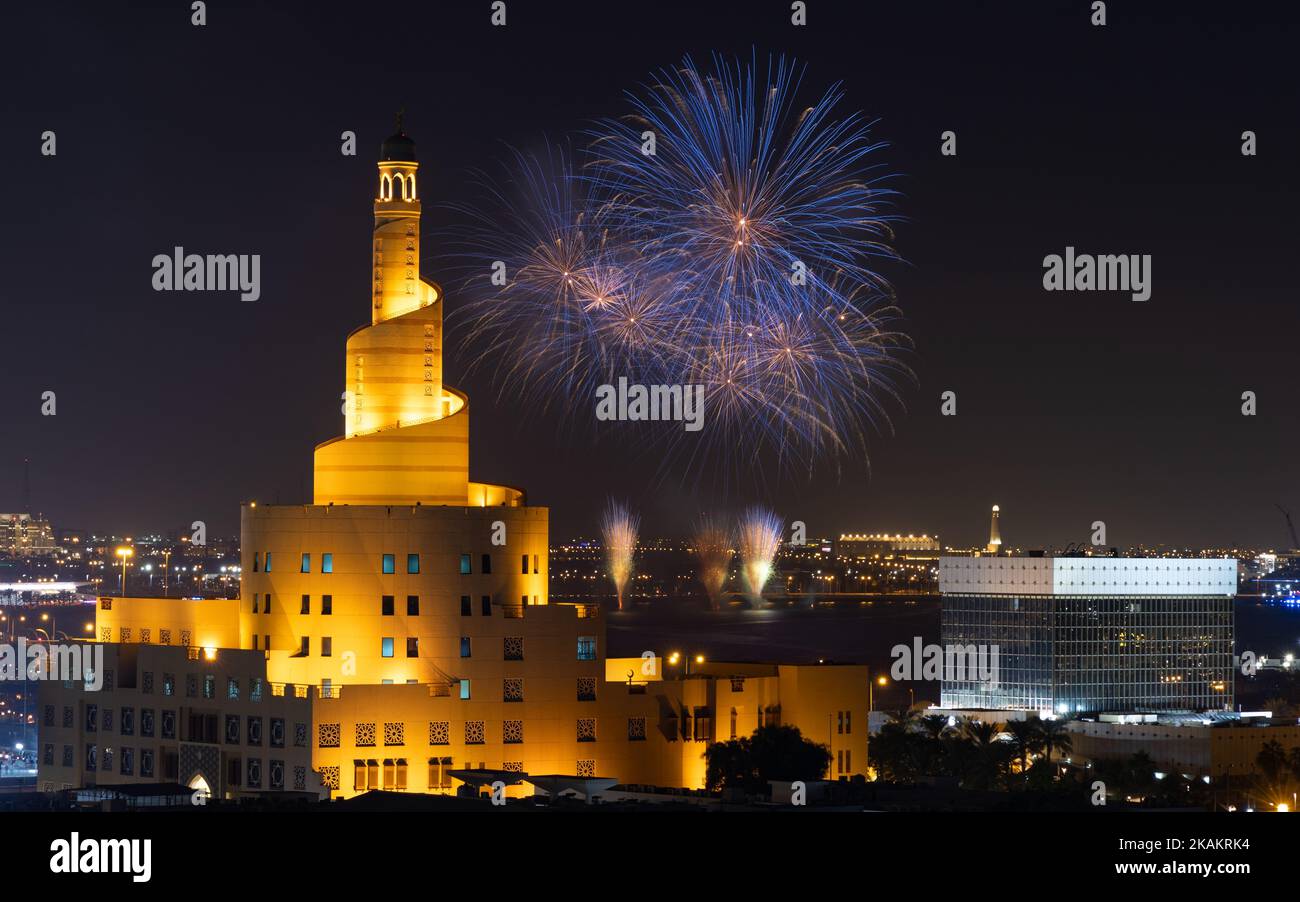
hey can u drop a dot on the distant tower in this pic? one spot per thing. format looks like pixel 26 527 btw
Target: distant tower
pixel 995 536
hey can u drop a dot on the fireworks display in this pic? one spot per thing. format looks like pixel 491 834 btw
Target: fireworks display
pixel 713 554
pixel 759 537
pixel 619 528
pixel 738 256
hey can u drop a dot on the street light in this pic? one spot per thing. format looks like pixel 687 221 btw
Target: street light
pixel 124 553
pixel 871 691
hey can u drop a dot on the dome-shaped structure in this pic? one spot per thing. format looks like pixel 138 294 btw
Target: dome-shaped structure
pixel 398 147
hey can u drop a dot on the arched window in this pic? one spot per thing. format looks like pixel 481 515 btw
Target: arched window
pixel 385 188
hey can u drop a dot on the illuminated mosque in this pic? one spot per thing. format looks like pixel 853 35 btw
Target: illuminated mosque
pixel 396 633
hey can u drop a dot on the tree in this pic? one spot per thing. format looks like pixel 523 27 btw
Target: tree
pixel 1053 737
pixel 986 755
pixel 771 753
pixel 1026 739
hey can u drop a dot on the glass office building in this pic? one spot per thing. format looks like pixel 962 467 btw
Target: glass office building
pixel 1081 634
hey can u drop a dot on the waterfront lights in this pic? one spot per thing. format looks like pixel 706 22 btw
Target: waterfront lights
pixel 124 553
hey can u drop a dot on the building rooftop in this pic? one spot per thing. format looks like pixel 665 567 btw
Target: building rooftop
pixel 1152 577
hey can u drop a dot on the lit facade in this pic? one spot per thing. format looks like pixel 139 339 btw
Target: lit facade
pixel 23 535
pixel 1091 634
pixel 409 604
pixel 208 718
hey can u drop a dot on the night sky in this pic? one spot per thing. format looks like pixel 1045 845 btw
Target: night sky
pixel 1072 407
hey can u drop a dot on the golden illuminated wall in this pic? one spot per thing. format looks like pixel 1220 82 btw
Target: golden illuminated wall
pixel 289 603
pixel 207 623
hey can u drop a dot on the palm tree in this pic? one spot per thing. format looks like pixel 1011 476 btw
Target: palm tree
pixel 988 754
pixel 1053 737
pixel 907 717
pixel 1025 740
pixel 934 725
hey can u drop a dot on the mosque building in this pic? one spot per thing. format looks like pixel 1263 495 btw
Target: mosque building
pixel 396 633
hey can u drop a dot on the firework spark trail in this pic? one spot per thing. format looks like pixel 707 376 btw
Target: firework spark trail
pixel 759 535
pixel 713 553
pixel 619 528
pixel 738 257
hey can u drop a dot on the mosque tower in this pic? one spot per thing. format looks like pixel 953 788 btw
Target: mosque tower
pixel 995 535
pixel 406 434
pixel 400 562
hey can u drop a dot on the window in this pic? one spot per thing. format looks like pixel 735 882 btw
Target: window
pixel 209 686
pixel 232 688
pixel 586 648
pixel 586 729
pixel 327 562
pixel 327 604
pixel 413 606
pixel 464 646
pixel 514 648
pixel 412 563
pixel 464 689
pixel 848 721
pixel 390 563
pixel 255 599
pixel 386 647
pixel 304 649
pixel 412 646
pixel 169 684
pixel 326 646
pixel 306 564
pixel 306 605
pixel 486 564
pixel 438 776
pixel 266 608
pixel 257 561
pixel 524 565
pixel 703 725
pixel 487 605
pixel 268 562
pixel 465 606
pixel 534 563
pixel 465 566
pixel 386 606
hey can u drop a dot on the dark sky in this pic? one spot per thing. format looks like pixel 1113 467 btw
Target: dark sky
pixel 1072 407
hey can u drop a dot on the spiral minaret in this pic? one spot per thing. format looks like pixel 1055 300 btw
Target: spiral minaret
pixel 406 435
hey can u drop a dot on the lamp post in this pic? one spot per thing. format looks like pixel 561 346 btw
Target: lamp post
pixel 871 692
pixel 167 559
pixel 124 554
